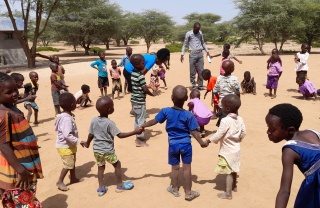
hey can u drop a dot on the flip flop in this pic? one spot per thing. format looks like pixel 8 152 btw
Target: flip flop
pixel 102 191
pixel 192 196
pixel 127 185
pixel 174 193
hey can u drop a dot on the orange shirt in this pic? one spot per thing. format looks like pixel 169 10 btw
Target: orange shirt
pixel 211 83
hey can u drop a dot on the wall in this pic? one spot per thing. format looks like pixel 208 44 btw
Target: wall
pixel 12 50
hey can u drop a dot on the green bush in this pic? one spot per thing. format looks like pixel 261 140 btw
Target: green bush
pixel 288 52
pixel 134 42
pixel 47 48
pixel 97 49
pixel 176 47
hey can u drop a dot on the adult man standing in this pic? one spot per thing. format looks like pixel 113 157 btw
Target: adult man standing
pixel 194 39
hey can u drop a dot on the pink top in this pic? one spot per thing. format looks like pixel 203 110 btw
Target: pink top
pixel 307 89
pixel 200 109
pixel 115 73
pixel 275 69
pixel 221 69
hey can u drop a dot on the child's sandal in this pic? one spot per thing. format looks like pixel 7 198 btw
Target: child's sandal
pixel 127 185
pixel 102 191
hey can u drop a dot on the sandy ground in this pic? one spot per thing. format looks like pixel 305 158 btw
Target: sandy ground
pixel 261 168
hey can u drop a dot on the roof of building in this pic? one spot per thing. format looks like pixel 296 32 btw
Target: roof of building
pixel 6 24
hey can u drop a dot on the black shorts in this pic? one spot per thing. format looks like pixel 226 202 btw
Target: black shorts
pixel 103 82
pixel 127 76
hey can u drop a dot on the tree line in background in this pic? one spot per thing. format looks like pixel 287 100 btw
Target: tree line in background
pixel 85 23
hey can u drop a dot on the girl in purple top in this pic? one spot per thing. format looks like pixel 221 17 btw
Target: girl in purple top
pixel 275 71
pixel 199 110
pixel 306 87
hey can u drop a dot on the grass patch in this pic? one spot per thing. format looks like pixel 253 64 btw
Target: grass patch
pixel 97 49
pixel 176 47
pixel 134 42
pixel 47 48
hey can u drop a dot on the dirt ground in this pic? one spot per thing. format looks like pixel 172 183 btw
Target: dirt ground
pixel 260 172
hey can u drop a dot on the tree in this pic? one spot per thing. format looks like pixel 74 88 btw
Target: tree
pixel 129 27
pixel 43 10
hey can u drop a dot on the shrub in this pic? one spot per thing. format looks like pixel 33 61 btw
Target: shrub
pixel 176 47
pixel 46 48
pixel 97 49
pixel 134 42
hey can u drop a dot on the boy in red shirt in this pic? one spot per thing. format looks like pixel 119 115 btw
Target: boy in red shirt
pixel 206 75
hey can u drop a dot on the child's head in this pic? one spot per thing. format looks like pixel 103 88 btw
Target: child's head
pixel 226 46
pixel 163 55
pixel 274 51
pixel 230 104
pixel 128 51
pixel 55 59
pixel 114 64
pixel 104 106
pixel 228 67
pixel 247 76
pixel 274 58
pixel 301 78
pixel 54 67
pixel 179 95
pixel 18 79
pixel 8 90
pixel 206 74
pixel 195 94
pixel 67 102
pixel 85 89
pixel 33 77
pixel 137 61
pixel 225 53
pixel 283 121
pixel 304 47
pixel 101 55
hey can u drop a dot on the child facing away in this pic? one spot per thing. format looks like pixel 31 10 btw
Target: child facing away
pixel 124 60
pixel 306 87
pixel 274 51
pixel 31 89
pixel 19 79
pixel 302 149
pixel 301 60
pixel 138 96
pixel 180 123
pixel 274 74
pixel 19 158
pixel 206 74
pixel 82 96
pixel 115 74
pixel 154 79
pixel 56 86
pixel 226 47
pixel 199 110
pixel 248 85
pixel 101 66
pixel 230 133
pixel 67 139
pixel 102 131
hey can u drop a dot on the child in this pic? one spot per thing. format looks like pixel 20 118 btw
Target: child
pixel 274 51
pixel 19 159
pixel 82 96
pixel 19 79
pixel 248 85
pixel 124 60
pixel 226 47
pixel 67 139
pixel 101 66
pixel 180 123
pixel 199 110
pixel 306 87
pixel 154 79
pixel 31 89
pixel 102 131
pixel 115 74
pixel 138 96
pixel 275 71
pixel 206 74
pixel 56 86
pixel 301 59
pixel 162 73
pixel 230 133
pixel 302 148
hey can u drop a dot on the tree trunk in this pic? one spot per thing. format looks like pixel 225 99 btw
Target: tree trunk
pixel 281 45
pixel 31 61
pixel 148 45
pixel 260 43
pixel 107 45
pixel 309 41
pixel 275 43
pixel 118 41
pixel 74 47
pixel 125 41
pixel 86 50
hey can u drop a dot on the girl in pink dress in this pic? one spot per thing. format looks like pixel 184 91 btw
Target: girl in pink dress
pixel 306 87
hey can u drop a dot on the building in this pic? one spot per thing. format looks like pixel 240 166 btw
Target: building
pixel 11 51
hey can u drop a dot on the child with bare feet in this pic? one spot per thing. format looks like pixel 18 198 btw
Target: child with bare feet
pixel 275 71
pixel 199 110
pixel 101 66
pixel 56 86
pixel 31 89
pixel 82 96
pixel 306 88
pixel 124 60
pixel 206 75
pixel 102 131
pixel 154 79
pixel 19 79
pixel 248 85
pixel 230 133
pixel 67 139
pixel 115 74
pixel 180 123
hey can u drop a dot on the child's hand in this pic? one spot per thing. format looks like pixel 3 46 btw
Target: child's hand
pixel 204 144
pixel 31 97
pixel 84 144
pixel 23 179
pixel 139 130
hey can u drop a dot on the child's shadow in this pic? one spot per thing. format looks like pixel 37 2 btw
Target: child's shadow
pixel 148 133
pixel 292 90
pixel 297 97
pixel 46 120
pixel 58 200
pixel 84 170
pixel 110 178
pixel 266 94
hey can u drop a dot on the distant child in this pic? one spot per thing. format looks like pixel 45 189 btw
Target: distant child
pixel 301 59
pixel 206 75
pixel 102 131
pixel 230 133
pixel 199 110
pixel 275 71
pixel 302 149
pixel 180 123
pixel 306 87
pixel 154 79
pixel 82 96
pixel 274 51
pixel 225 55
pixel 31 89
pixel 19 159
pixel 248 85
pixel 226 47
pixel 115 74
pixel 67 139
pixel 138 96
pixel 101 66
pixel 56 86
pixel 19 79
pixel 162 73
pixel 124 60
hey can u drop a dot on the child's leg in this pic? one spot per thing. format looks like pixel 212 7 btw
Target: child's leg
pixel 73 178
pixel 118 94
pixel 100 175
pixel 229 183
pixel 101 91
pixel 61 186
pixel 270 92
pixel 234 184
pixel 29 108
pixel 165 83
pixel 57 109
pixel 36 116
pixel 201 128
pixel 105 90
pixel 174 177
pixel 118 173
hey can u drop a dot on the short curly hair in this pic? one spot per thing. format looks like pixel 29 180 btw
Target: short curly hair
pixel 85 88
pixel 17 77
pixel 289 115
pixel 66 100
pixel 163 54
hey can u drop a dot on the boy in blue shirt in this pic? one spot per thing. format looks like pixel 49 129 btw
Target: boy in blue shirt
pixel 179 124
pixel 101 66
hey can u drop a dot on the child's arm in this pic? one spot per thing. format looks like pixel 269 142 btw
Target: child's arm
pixel 138 130
pixel 221 132
pixel 149 123
pixel 60 85
pixel 119 71
pixel 254 89
pixel 196 135
pixel 243 132
pixel 110 70
pixel 191 106
pixel 146 90
pixel 240 62
pixel 215 55
pixel 279 75
pixel 94 65
pixel 44 56
pixel 66 130
pixel 87 143
pixel 205 94
pixel 28 98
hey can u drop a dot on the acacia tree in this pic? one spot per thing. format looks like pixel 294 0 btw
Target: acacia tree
pixel 128 27
pixel 43 10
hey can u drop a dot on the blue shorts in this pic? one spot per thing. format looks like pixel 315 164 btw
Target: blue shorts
pixel 176 150
pixel 33 105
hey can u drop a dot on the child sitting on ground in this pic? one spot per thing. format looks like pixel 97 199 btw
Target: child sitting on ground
pixel 230 133
pixel 115 74
pixel 275 71
pixel 67 139
pixel 306 87
pixel 302 149
pixel 102 131
pixel 154 79
pixel 248 85
pixel 180 123
pixel 199 110
pixel 82 96
pixel 31 89
pixel 206 75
